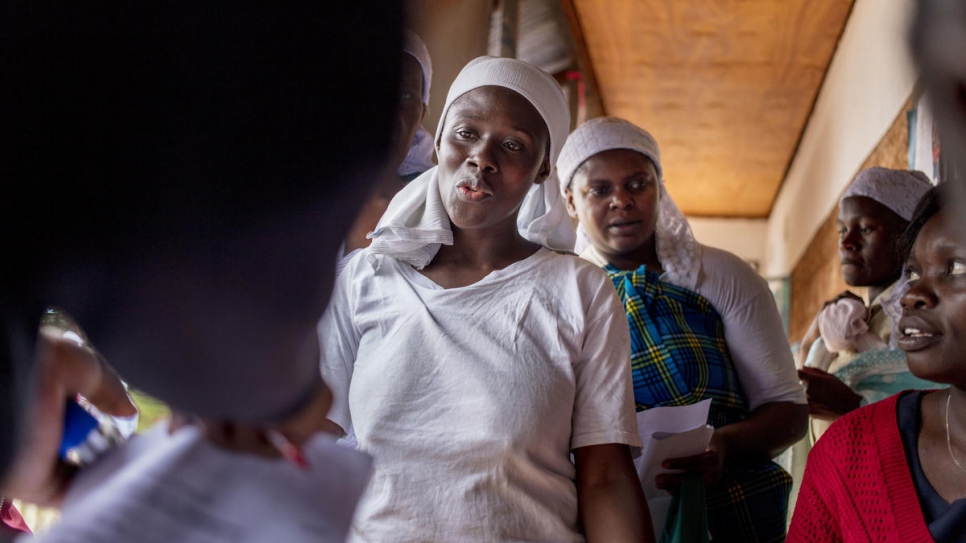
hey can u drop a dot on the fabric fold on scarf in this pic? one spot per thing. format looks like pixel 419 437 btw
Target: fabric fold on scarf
pixel 414 225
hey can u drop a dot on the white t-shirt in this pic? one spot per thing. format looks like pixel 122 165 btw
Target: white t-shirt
pixel 753 328
pixel 471 399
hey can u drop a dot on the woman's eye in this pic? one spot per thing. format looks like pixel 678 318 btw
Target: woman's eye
pixel 639 184
pixel 513 146
pixel 958 268
pixel 597 191
pixel 913 275
pixel 464 133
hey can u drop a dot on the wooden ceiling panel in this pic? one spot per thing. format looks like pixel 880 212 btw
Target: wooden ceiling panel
pixel 726 87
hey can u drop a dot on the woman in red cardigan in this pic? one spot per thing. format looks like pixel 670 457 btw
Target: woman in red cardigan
pixel 895 471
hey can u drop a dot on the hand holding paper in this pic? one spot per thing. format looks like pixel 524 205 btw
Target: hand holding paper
pixel 670 433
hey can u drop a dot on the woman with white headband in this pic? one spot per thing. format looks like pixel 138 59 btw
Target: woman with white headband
pixel 467 372
pixel 873 212
pixel 703 325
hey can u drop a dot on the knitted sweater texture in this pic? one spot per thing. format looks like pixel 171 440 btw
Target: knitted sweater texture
pixel 857 485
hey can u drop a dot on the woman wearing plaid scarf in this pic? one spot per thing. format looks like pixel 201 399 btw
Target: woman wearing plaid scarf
pixel 703 325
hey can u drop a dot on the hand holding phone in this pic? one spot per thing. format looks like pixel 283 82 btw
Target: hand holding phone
pixel 65 368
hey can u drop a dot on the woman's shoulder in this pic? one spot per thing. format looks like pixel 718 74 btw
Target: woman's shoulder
pixel 729 282
pixel 570 262
pixel 861 428
pixel 718 263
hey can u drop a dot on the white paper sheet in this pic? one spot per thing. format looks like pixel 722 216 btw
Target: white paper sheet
pixel 180 488
pixel 668 432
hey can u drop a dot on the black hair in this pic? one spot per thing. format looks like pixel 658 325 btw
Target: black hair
pixel 931 203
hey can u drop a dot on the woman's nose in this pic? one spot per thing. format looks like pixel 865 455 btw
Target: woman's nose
pixel 849 240
pixel 621 199
pixel 919 296
pixel 483 156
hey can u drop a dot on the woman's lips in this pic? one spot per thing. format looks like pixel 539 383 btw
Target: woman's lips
pixel 471 194
pixel 624 228
pixel 916 335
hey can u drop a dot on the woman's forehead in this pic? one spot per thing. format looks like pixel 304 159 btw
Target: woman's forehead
pixel 862 207
pixel 938 233
pixel 492 101
pixel 612 159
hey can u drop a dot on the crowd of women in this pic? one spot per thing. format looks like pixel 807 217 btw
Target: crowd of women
pixel 472 356
pixel 494 375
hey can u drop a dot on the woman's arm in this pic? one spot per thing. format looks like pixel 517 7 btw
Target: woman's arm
pixel 610 500
pixel 805 345
pixel 769 430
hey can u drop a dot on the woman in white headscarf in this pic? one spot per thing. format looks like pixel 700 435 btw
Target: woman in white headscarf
pixel 703 325
pixel 873 212
pixel 467 372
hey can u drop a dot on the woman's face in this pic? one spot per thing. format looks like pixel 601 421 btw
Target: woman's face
pixel 615 195
pixel 868 236
pixel 410 111
pixel 492 150
pixel 933 324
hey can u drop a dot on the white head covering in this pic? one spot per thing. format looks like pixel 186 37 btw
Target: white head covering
pixel 899 190
pixel 416 224
pixel 415 47
pixel 677 250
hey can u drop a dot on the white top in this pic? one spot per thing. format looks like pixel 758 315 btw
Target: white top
pixel 471 399
pixel 753 328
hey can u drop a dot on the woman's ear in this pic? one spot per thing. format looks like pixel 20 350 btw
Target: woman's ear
pixel 571 208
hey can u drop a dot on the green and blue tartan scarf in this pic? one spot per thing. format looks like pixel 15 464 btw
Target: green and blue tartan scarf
pixel 679 357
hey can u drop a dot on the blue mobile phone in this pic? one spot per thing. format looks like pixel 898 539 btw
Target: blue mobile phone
pixel 85 438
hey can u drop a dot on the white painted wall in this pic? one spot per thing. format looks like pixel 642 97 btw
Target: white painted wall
pixel 743 237
pixel 869 80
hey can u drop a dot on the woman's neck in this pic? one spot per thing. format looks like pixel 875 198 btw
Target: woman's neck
pixel 476 253
pixel 645 255
pixel 876 290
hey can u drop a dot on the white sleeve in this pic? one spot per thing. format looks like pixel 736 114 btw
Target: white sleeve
pixel 338 344
pixel 604 400
pixel 753 329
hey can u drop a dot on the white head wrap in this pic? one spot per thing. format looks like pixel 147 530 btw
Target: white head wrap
pixel 415 47
pixel 677 250
pixel 899 190
pixel 416 224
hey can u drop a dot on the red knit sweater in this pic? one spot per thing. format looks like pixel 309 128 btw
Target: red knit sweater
pixel 857 484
